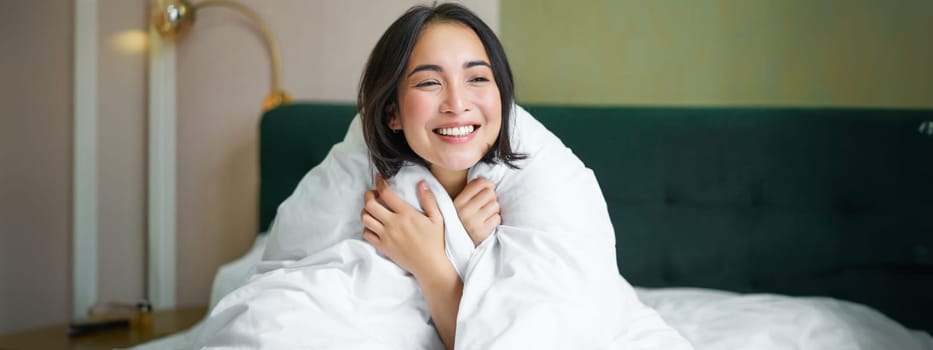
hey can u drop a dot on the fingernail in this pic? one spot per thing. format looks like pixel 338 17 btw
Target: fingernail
pixel 424 185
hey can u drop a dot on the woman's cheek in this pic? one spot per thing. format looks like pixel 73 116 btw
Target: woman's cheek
pixel 418 105
pixel 491 107
pixel 488 98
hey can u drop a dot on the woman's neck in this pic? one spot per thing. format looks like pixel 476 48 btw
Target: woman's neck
pixel 453 180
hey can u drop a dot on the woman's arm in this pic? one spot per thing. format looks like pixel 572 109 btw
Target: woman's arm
pixel 442 290
pixel 415 241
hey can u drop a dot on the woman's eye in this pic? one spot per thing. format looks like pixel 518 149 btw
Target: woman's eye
pixel 479 80
pixel 427 83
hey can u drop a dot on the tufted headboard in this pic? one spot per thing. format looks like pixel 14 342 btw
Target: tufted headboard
pixel 830 202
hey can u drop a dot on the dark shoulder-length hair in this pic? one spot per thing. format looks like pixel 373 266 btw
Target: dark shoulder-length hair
pixel 378 95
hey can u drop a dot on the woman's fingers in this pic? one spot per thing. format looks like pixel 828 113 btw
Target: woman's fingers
pixel 372 227
pixel 490 209
pixel 494 220
pixel 428 202
pixel 392 201
pixel 372 238
pixel 471 190
pixel 478 209
pixel 481 200
pixel 476 187
pixel 372 206
pixel 371 223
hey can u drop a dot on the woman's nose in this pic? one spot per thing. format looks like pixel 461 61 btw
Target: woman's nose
pixel 455 100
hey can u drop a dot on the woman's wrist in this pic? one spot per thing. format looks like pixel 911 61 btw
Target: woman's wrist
pixel 438 275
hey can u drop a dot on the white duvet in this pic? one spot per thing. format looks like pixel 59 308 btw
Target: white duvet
pixel 709 319
pixel 545 279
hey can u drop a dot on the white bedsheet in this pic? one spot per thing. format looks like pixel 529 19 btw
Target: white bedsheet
pixel 713 319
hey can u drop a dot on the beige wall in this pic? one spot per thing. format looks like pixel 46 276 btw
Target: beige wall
pixel 36 131
pixel 724 52
pixel 35 163
pixel 222 77
pixel 121 155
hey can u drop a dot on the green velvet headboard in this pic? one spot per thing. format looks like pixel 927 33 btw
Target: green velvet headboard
pixel 831 202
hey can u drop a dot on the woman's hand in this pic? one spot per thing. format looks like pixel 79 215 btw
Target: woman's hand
pixel 478 209
pixel 413 240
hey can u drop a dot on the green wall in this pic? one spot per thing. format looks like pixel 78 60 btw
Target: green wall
pixel 858 53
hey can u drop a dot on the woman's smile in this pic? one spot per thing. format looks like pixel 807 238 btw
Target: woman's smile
pixel 456 134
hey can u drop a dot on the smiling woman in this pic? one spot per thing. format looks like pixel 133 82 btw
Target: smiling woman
pixel 444 111
pixel 424 260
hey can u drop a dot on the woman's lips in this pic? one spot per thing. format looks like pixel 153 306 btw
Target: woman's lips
pixel 457 134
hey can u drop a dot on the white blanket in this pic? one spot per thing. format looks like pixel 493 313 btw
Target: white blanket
pixel 709 319
pixel 545 279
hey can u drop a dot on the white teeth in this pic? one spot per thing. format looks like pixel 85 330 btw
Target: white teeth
pixel 457 131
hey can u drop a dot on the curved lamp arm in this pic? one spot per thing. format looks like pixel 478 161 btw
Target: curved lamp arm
pixel 173 18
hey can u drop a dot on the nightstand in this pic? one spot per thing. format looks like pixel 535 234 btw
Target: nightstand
pixel 163 323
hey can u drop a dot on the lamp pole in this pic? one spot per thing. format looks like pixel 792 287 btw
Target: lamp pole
pixel 173 18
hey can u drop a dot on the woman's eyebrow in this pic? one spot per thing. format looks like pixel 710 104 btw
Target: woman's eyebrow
pixel 472 64
pixel 437 68
pixel 431 67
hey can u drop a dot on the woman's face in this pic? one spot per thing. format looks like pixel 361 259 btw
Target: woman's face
pixel 448 102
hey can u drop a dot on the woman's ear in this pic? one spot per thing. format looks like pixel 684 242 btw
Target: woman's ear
pixel 393 120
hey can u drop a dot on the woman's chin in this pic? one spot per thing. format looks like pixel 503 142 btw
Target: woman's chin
pixel 456 164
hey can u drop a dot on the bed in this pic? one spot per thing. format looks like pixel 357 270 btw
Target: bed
pixel 743 227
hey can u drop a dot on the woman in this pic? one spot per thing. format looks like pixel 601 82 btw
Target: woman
pixel 447 110
pixel 436 122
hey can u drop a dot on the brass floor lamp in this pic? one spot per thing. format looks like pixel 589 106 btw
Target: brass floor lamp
pixel 173 18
